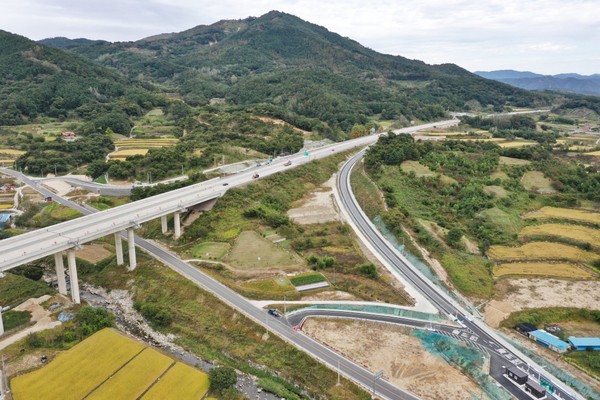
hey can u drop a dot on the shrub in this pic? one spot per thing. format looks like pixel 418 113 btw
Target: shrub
pixel 369 270
pixel 222 378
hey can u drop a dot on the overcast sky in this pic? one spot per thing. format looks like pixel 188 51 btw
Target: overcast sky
pixel 544 36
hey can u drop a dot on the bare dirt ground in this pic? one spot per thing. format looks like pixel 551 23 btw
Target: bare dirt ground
pixel 92 253
pixel 402 358
pixel 39 315
pixel 61 188
pixel 318 207
pixel 518 294
pixel 330 295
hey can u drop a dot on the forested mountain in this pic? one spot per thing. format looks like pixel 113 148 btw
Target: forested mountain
pixel 306 73
pixel 571 83
pixel 37 80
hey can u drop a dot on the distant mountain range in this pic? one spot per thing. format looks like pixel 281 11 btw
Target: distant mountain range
pixel 570 83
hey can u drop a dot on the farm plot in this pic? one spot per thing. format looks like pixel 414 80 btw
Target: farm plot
pixel 89 364
pixel 536 181
pixel 109 365
pixel 558 270
pixel 593 153
pixel 541 251
pixel 516 143
pixel 134 378
pixel 575 232
pixel 145 143
pixel 307 279
pixel 566 214
pixel 180 382
pixel 123 154
pixel 513 161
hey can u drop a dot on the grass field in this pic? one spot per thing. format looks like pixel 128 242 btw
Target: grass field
pixel 559 270
pixel 213 250
pixel 499 175
pixel 271 288
pixel 510 224
pixel 180 382
pixel 496 191
pixel 108 366
pixel 541 251
pixel 15 289
pixel 513 161
pixel 419 169
pixel 307 279
pixel 253 252
pixel 89 364
pixel 565 213
pixel 123 154
pixel 469 273
pixel 516 143
pixel 536 181
pixel 579 233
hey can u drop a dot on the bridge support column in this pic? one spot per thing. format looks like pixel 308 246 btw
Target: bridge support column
pixel 60 273
pixel 177 222
pixel 119 248
pixel 131 242
pixel 163 224
pixel 73 276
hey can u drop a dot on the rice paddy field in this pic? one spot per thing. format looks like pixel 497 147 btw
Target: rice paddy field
pixel 516 143
pixel 569 214
pixel 579 233
pixel 123 154
pixel 593 153
pixel 9 156
pixel 547 269
pixel 145 143
pixel 541 251
pixel 109 365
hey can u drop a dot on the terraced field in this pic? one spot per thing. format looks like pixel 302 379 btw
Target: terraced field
pixel 123 154
pixel 536 181
pixel 541 251
pixel 579 233
pixel 145 143
pixel 569 214
pixel 548 269
pixel 107 366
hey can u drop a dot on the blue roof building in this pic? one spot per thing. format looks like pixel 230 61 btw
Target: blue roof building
pixel 584 343
pixel 4 220
pixel 550 341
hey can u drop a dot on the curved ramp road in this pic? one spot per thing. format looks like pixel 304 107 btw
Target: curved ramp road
pixel 483 335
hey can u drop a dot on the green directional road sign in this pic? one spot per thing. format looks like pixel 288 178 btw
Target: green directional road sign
pixel 306 153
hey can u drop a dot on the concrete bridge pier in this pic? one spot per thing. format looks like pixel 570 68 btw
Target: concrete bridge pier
pixel 177 221
pixel 131 243
pixel 60 273
pixel 73 276
pixel 163 224
pixel 119 248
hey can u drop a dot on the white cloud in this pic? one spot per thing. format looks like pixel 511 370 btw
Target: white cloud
pixel 488 34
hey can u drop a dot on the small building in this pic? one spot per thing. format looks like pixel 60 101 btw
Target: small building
pixel 535 390
pixel 549 340
pixel 517 375
pixel 524 328
pixel 69 136
pixel 584 343
pixel 4 220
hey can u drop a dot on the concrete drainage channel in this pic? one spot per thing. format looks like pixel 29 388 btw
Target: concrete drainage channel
pixel 129 320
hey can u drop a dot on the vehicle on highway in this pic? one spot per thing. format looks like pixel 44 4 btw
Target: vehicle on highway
pixel 225 184
pixel 287 164
pixel 255 176
pixel 273 312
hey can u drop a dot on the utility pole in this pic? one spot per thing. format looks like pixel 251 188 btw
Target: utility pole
pixel 284 306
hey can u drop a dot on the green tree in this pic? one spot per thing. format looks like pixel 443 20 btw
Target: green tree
pixel 453 236
pixel 222 378
pixel 92 319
